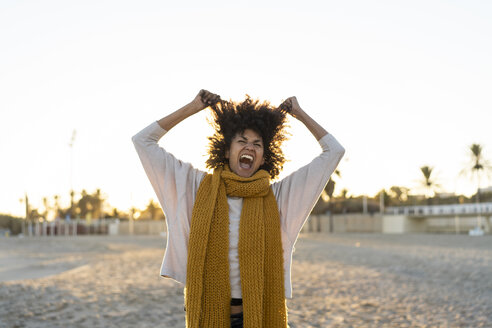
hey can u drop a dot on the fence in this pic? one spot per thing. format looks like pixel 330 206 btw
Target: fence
pixel 339 223
pixel 96 227
pixel 67 228
pixel 344 223
pixel 388 223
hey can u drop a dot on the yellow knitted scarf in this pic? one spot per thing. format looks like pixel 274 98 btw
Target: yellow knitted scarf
pixel 208 292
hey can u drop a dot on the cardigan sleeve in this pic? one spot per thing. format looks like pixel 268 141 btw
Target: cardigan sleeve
pixel 297 193
pixel 174 182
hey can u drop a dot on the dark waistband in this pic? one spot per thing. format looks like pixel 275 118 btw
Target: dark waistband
pixel 236 301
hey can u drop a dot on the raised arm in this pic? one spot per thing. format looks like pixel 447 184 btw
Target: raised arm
pixel 170 177
pixel 202 100
pixel 291 106
pixel 297 193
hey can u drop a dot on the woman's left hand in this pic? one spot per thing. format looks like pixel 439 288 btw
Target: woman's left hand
pixel 291 106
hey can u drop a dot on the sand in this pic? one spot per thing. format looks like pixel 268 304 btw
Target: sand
pixel 340 280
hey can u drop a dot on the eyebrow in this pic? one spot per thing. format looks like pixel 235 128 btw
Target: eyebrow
pixel 256 140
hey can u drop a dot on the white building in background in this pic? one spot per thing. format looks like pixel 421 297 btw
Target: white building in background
pixel 469 209
pixel 439 218
pixel 444 195
pixel 486 190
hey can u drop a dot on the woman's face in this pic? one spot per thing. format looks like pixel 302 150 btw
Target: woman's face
pixel 246 153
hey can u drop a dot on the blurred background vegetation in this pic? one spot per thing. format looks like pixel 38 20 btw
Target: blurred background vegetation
pixel 93 206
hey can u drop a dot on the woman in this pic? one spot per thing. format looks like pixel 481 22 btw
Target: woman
pixel 231 233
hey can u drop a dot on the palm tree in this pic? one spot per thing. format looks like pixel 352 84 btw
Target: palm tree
pixel 400 194
pixel 57 205
pixel 429 183
pixel 323 204
pixel 330 186
pixel 98 202
pixel 91 204
pixel 478 165
pixel 72 208
pixel 46 208
pixel 383 198
pixel 152 210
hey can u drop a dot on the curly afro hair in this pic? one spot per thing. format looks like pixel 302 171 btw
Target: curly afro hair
pixel 231 118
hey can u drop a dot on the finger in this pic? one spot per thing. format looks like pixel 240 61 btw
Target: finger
pixel 203 96
pixel 213 98
pixel 210 97
pixel 210 100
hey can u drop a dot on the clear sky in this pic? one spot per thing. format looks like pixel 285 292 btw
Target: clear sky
pixel 400 84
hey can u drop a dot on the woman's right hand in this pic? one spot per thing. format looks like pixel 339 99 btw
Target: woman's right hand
pixel 204 99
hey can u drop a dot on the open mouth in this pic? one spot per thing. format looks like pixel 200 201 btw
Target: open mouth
pixel 246 161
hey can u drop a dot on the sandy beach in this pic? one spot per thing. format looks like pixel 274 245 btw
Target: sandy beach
pixel 341 280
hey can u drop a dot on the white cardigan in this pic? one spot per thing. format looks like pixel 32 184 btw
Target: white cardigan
pixel 176 184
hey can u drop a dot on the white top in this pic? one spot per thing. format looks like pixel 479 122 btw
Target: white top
pixel 176 184
pixel 235 207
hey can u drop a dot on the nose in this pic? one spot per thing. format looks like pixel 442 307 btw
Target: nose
pixel 249 145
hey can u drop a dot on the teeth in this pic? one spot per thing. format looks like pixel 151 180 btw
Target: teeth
pixel 247 157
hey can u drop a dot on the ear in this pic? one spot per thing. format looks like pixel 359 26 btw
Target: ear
pixel 262 160
pixel 227 154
